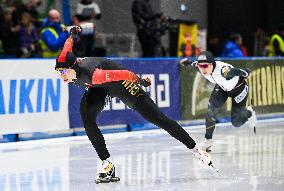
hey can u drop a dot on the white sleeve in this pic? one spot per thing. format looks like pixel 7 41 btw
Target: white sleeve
pixel 96 8
pixel 79 8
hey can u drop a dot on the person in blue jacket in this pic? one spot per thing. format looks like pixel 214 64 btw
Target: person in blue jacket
pixel 53 35
pixel 232 48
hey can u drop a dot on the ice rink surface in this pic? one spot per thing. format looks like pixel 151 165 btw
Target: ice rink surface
pixel 149 160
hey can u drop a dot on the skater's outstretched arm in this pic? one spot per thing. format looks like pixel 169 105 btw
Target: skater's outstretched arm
pixel 103 76
pixel 229 72
pixel 67 48
pixel 187 62
pixel 74 31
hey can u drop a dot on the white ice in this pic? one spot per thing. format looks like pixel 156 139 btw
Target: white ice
pixel 149 160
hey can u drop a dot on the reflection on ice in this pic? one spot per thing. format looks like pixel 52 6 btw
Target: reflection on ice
pixel 148 162
pixel 143 168
pixel 34 169
pixel 258 156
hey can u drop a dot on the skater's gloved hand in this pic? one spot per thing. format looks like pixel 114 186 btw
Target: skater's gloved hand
pixel 184 62
pixel 74 31
pixel 187 62
pixel 145 82
pixel 246 72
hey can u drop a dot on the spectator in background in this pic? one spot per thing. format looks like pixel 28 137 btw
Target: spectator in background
pixel 75 20
pixel 187 48
pixel 87 10
pixel 244 50
pixel 31 8
pixel 28 7
pixel 148 32
pixel 9 35
pixel 276 46
pixel 265 50
pixel 28 37
pixel 86 40
pixel 213 45
pixel 259 42
pixel 53 35
pixel 233 47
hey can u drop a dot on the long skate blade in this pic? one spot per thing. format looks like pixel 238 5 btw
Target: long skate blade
pixel 115 179
pixel 215 169
pixel 107 180
pixel 102 180
pixel 251 103
pixel 210 164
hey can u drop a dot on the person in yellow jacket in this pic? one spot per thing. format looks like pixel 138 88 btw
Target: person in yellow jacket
pixel 276 46
pixel 53 35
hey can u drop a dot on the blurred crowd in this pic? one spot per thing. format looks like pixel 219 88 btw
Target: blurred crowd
pixel 19 26
pixel 151 25
pixel 264 44
pixel 24 33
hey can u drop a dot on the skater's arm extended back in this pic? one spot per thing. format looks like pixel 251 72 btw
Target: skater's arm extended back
pixel 69 43
pixel 104 76
pixel 230 72
pixel 187 62
pixel 67 48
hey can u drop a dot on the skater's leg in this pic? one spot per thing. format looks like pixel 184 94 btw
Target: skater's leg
pixel 149 110
pixel 239 112
pixel 216 101
pixel 91 105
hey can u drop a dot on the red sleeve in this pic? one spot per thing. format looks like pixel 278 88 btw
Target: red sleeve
pixel 67 48
pixel 103 76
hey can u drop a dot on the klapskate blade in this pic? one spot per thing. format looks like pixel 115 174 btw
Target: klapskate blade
pixel 210 164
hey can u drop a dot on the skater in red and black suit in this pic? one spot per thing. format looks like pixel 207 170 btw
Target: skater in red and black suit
pixel 102 77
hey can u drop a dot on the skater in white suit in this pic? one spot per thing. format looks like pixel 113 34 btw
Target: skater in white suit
pixel 230 82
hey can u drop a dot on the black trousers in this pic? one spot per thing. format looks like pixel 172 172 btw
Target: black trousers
pixel 239 113
pixel 147 42
pixel 136 98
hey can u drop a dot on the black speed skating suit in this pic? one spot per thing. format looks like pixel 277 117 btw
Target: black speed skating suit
pixel 132 95
pixel 128 91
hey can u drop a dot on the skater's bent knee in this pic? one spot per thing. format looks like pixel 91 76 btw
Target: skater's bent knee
pixel 211 115
pixel 237 123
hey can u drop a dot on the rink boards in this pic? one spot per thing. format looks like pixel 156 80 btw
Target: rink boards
pixel 35 103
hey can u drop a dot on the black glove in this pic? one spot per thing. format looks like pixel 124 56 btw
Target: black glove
pixel 145 82
pixel 74 31
pixel 187 62
pixel 248 71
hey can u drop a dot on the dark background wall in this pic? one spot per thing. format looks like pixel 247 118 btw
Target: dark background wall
pixel 116 14
pixel 243 16
pixel 275 13
pixel 219 17
pixel 196 10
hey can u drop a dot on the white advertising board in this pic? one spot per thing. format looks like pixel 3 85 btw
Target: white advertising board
pixel 32 97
